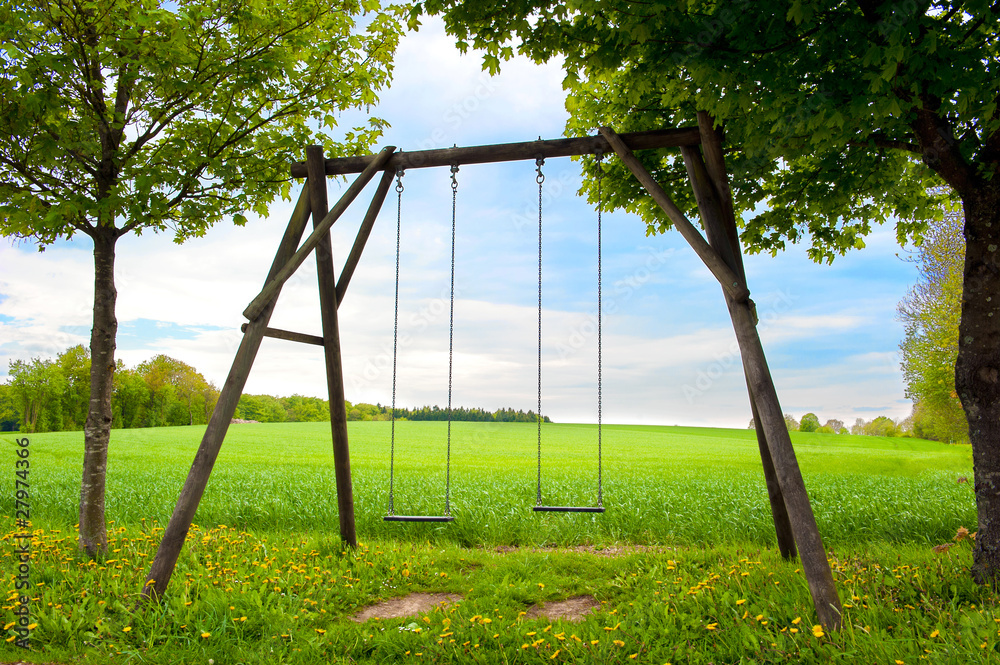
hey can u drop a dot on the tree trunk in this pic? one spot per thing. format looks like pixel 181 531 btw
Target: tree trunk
pixel 977 371
pixel 97 431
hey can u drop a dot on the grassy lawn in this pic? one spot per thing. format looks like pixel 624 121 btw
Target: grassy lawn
pixel 693 577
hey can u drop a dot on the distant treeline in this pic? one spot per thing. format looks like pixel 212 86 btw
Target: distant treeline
pixel 52 395
pixel 880 426
pixel 270 409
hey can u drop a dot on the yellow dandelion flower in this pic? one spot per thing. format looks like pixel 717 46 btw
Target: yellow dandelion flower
pixel 321 631
pixel 818 631
pixel 711 626
pixel 899 662
pixel 797 620
pixel 206 635
pixel 793 630
pixel 127 629
pixel 553 656
pixel 32 626
pixel 10 625
pixel 619 643
pixel 741 601
pixel 935 633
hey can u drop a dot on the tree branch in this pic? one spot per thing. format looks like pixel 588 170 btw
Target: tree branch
pixel 940 149
pixel 881 141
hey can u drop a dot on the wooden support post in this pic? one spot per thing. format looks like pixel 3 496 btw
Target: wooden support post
pixel 366 228
pixel 803 522
pixel 316 184
pixel 320 230
pixel 180 521
pixel 730 282
pixel 715 164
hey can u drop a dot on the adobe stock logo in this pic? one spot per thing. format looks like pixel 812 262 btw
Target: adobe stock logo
pixel 731 358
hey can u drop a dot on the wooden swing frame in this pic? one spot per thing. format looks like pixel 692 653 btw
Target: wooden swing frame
pixel 794 522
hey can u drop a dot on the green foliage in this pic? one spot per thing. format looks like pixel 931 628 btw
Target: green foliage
pixel 880 426
pixel 37 388
pixel 819 100
pixel 174 116
pixel 791 423
pixel 262 408
pixel 74 364
pixel 930 313
pixel 836 426
pixel 10 417
pixel 130 397
pixel 178 394
pixel 809 423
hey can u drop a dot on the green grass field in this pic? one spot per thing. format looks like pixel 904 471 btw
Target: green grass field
pixel 264 579
pixel 666 485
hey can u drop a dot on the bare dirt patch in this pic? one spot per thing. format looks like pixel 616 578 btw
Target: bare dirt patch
pixel 571 609
pixel 406 606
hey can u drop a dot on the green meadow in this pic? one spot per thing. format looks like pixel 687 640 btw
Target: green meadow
pixel 682 563
pixel 662 485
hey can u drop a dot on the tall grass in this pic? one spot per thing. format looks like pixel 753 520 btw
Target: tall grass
pixel 669 485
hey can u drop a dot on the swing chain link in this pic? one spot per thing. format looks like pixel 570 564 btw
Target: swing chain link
pixel 395 343
pixel 600 307
pixel 451 336
pixel 539 178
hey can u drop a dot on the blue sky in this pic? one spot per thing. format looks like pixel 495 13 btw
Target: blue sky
pixel 829 332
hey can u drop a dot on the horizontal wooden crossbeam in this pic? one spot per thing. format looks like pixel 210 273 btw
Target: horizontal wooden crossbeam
pixel 278 333
pixel 511 152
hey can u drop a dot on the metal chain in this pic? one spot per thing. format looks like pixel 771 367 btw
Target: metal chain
pixel 451 336
pixel 395 340
pixel 539 178
pixel 600 307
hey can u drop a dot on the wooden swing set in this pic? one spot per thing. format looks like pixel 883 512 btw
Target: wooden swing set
pixel 794 522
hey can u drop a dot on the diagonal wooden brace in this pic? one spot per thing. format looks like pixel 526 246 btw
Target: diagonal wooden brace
pixel 730 281
pixel 201 468
pixel 273 286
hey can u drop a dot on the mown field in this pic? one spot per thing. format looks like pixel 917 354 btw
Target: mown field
pixel 692 577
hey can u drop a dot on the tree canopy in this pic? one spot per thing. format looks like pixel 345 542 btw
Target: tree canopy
pixel 820 100
pixel 172 116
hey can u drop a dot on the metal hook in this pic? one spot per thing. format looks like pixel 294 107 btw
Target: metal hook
pixel 454 177
pixel 399 179
pixel 539 162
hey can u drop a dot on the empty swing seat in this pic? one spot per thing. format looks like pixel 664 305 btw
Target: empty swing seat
pixel 418 518
pixel 568 509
